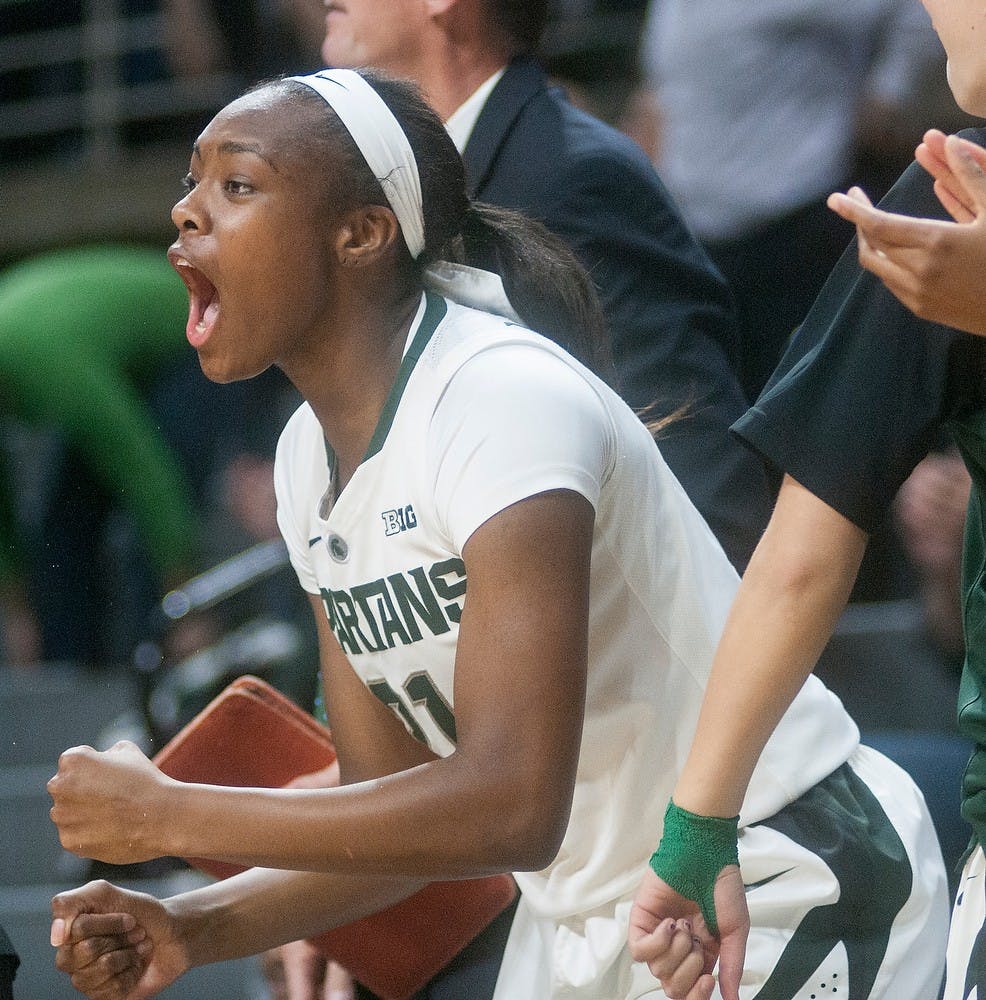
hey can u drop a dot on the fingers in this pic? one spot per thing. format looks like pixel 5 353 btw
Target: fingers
pixel 95 949
pixel 105 966
pixel 884 230
pixel 966 161
pixel 92 909
pixel 958 167
pixel 68 760
pixel 734 926
pixel 967 147
pixel 903 252
pixel 952 204
pixel 853 206
pixel 102 953
pixel 931 155
pixel 885 242
pixel 112 976
pixel 71 929
pixel 675 955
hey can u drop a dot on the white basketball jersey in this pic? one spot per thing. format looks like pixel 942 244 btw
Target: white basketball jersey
pixel 482 415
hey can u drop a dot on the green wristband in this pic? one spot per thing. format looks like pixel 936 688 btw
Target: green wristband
pixel 692 852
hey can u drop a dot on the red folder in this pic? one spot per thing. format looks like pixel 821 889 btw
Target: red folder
pixel 253 736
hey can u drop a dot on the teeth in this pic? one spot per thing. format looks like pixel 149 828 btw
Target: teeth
pixel 181 262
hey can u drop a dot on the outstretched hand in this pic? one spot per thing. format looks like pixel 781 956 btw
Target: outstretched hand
pixel 668 932
pixel 934 267
pixel 115 944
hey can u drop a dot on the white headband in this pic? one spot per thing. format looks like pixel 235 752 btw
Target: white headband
pixel 383 143
pixel 381 140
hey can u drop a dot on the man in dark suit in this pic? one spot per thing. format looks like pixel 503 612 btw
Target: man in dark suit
pixel 527 147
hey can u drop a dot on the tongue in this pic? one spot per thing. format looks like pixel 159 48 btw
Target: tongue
pixel 198 330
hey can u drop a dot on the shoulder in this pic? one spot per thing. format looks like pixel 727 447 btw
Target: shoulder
pixel 865 388
pixel 300 439
pixel 517 417
pixel 976 135
pixel 579 141
pixel 913 193
pixel 542 137
pixel 486 369
pixel 470 345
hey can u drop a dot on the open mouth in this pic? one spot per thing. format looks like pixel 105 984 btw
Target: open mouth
pixel 203 300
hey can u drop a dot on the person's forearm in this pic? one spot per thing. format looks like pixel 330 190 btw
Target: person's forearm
pixel 791 596
pixel 438 820
pixel 261 909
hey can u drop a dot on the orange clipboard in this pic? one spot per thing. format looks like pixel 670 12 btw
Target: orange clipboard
pixel 253 736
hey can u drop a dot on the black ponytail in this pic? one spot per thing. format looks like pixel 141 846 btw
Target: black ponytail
pixel 548 288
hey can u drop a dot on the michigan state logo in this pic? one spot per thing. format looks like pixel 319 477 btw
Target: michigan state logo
pixel 401 519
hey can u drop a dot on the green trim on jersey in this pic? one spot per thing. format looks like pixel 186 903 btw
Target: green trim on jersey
pixel 435 310
pixel 970 435
pixel 842 821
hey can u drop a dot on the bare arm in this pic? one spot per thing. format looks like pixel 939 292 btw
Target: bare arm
pixel 119 943
pixel 500 802
pixel 790 598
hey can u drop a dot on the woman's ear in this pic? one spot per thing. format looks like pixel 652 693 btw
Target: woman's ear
pixel 365 234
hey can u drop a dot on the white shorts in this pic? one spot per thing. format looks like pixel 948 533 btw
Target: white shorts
pixel 966 954
pixel 847 881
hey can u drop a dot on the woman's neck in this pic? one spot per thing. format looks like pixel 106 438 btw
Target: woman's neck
pixel 348 380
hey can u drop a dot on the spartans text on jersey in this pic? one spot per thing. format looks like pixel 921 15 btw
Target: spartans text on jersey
pixel 375 616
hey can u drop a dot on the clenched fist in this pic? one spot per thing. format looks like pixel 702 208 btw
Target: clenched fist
pixel 111 805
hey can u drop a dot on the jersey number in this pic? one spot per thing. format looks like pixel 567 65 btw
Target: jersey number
pixel 419 690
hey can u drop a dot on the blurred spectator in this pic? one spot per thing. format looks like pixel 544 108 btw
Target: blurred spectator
pixel 752 112
pixel 930 511
pixel 253 40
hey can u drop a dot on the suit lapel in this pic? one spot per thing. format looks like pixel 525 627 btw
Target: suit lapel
pixel 521 81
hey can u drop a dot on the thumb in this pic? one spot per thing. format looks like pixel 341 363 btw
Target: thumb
pixel 60 930
pixel 734 927
pixel 732 953
pixel 967 162
pixel 63 913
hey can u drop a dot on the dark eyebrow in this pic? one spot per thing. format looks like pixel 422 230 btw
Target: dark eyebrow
pixel 230 146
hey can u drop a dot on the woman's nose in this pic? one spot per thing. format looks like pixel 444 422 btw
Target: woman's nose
pixel 185 215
